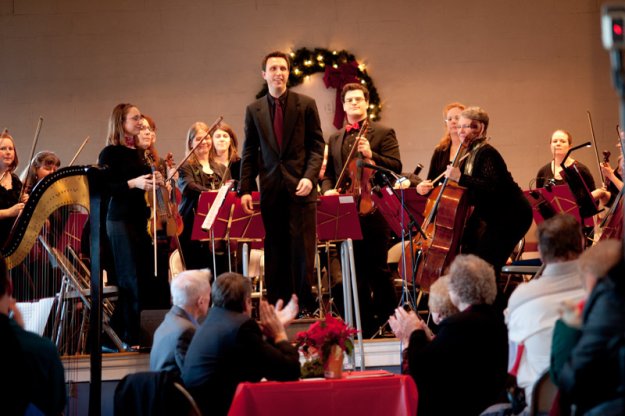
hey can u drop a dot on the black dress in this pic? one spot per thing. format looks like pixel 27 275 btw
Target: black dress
pixel 440 159
pixel 545 174
pixel 502 215
pixel 192 182
pixel 8 198
pixel 126 226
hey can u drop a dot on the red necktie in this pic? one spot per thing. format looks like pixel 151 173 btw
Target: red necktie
pixel 278 122
pixel 351 127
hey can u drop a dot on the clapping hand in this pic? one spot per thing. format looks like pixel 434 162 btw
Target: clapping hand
pixel 270 323
pixel 404 323
pixel 287 314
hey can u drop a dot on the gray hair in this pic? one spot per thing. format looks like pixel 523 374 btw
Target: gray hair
pixel 472 280
pixel 188 286
pixel 476 114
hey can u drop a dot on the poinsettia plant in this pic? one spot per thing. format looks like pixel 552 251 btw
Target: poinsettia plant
pixel 322 335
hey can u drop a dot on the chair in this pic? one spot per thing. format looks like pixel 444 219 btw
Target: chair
pixel 158 393
pixel 543 395
pixel 175 265
pixel 518 270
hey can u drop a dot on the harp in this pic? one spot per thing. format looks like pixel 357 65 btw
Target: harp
pixel 68 186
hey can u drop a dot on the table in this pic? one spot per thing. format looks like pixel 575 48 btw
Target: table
pixel 358 393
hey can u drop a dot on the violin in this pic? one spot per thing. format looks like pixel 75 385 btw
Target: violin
pixel 168 221
pixel 175 196
pixel 359 176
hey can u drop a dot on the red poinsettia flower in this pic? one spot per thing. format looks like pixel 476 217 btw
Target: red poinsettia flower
pixel 322 335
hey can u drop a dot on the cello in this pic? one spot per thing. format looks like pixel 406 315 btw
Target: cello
pixel 359 176
pixel 445 214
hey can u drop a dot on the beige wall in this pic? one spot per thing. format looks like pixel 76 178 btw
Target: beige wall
pixel 535 65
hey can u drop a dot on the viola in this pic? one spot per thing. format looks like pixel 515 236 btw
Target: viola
pixel 359 176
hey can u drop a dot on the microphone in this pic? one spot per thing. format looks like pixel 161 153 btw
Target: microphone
pixel 417 170
pixel 363 164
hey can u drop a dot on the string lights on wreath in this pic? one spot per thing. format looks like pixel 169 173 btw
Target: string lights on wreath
pixel 339 68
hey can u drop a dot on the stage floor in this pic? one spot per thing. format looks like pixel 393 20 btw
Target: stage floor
pixel 384 352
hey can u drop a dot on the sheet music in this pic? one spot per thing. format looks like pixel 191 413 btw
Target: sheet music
pixel 214 209
pixel 36 314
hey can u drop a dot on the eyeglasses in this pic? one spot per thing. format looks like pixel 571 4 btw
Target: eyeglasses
pixel 355 100
pixel 468 126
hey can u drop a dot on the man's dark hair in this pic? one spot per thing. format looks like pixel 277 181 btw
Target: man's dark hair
pixel 276 54
pixel 354 86
pixel 560 238
pixel 230 291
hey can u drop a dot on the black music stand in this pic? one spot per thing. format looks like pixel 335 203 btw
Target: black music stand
pixel 558 199
pixel 231 223
pixel 337 220
pixel 393 212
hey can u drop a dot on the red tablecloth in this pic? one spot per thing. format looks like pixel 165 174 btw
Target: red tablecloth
pixel 377 394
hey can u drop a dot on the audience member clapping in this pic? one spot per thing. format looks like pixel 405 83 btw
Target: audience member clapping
pixel 229 347
pixel 463 369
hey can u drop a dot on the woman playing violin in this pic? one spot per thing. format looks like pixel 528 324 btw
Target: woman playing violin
pixel 197 174
pixel 446 148
pixel 156 295
pixel 560 143
pixel 129 177
pixel 223 153
pixel 501 215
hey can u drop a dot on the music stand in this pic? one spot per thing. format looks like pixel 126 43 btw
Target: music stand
pixel 231 223
pixel 557 199
pixel 337 220
pixel 392 210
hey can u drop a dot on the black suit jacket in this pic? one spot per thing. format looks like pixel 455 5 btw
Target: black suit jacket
pixel 228 348
pixel 384 149
pixel 302 148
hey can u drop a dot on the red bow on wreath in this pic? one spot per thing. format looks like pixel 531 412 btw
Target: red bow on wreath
pixel 337 78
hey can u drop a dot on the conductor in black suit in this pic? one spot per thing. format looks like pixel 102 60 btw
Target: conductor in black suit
pixel 376 294
pixel 284 145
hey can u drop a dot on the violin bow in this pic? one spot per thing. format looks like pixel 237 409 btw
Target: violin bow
pixel 71 162
pixel 32 153
pixel 363 130
pixel 594 142
pixel 215 124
